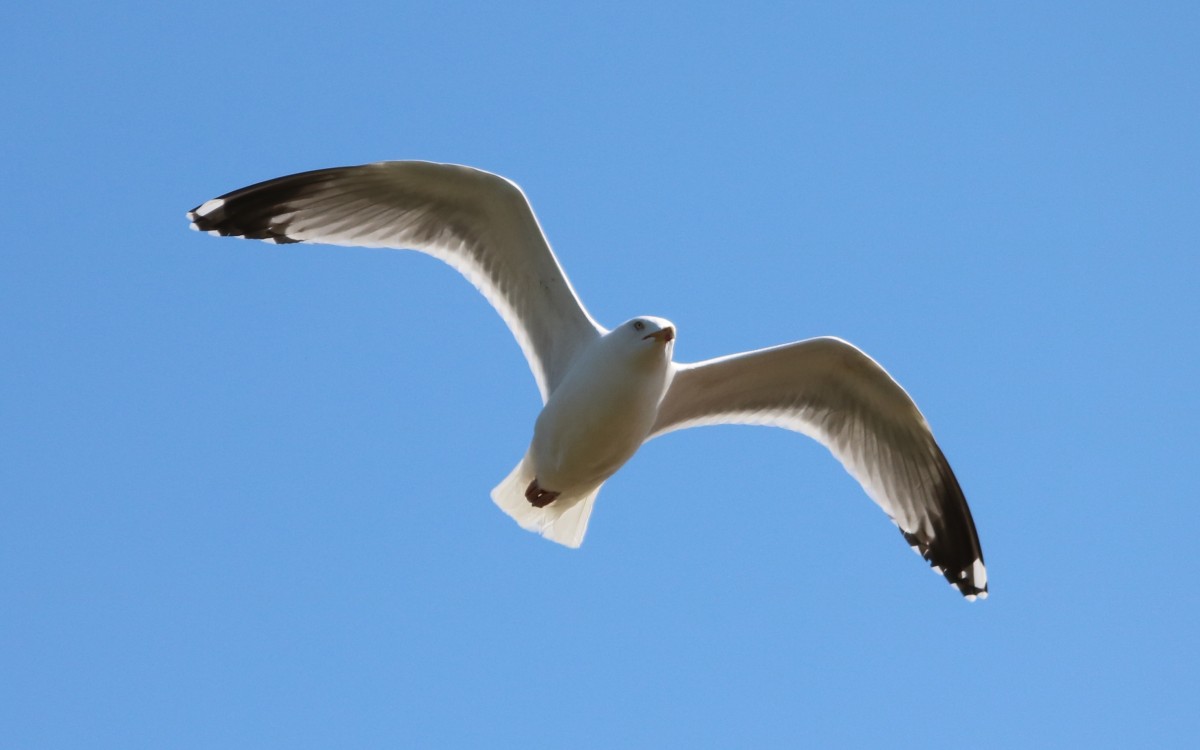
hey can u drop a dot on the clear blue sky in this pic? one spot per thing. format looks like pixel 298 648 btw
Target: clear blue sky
pixel 244 488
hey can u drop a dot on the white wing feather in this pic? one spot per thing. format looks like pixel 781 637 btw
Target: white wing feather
pixel 831 391
pixel 477 222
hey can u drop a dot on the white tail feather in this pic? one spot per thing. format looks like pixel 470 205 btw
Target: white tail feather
pixel 564 521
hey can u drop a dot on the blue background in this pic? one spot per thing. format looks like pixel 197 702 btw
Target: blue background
pixel 244 488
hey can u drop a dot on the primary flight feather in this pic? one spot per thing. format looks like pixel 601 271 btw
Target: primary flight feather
pixel 605 393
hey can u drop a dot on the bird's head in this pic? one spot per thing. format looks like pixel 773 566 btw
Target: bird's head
pixel 648 333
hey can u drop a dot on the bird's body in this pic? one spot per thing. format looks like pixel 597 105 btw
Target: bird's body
pixel 603 411
pixel 607 392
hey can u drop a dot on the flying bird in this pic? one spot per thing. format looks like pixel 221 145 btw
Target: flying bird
pixel 606 392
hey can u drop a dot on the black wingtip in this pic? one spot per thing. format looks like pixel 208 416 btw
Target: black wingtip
pixel 970 578
pixel 214 217
pixel 259 211
pixel 951 546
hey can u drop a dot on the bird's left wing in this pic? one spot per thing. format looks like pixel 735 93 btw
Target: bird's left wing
pixel 831 391
pixel 478 222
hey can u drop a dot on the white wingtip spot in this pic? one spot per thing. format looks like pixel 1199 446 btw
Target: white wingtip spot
pixel 979 574
pixel 972 597
pixel 209 206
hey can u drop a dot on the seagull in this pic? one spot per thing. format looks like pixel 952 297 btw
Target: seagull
pixel 605 392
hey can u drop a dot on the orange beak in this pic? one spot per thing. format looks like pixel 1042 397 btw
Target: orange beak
pixel 663 336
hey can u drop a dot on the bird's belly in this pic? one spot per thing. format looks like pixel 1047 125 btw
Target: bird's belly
pixel 578 448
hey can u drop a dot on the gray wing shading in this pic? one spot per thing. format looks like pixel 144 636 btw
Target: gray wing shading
pixel 836 394
pixel 478 222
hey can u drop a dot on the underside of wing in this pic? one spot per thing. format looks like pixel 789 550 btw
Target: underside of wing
pixel 829 390
pixel 477 222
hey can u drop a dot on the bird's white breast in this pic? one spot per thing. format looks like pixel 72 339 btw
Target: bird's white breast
pixel 598 417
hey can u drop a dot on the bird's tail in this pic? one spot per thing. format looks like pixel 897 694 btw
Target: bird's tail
pixel 564 521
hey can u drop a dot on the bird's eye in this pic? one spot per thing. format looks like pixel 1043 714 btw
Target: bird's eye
pixel 638 325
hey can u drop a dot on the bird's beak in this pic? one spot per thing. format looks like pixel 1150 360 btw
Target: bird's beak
pixel 662 336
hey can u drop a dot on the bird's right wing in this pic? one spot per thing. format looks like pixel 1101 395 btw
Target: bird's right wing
pixel 829 390
pixel 478 222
